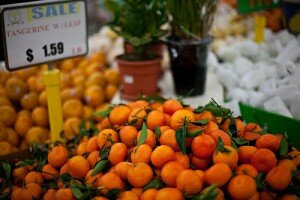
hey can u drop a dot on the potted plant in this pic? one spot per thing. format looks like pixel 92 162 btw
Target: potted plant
pixel 190 22
pixel 139 23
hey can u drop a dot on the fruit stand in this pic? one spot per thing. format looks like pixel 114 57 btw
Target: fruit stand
pixel 69 130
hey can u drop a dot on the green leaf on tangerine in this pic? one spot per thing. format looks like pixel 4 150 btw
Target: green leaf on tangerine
pixel 99 167
pixel 221 146
pixel 133 122
pixel 194 133
pixel 7 169
pixel 157 132
pixel 260 181
pixel 210 194
pixel 201 122
pixel 143 135
pixel 76 192
pixel 181 139
pixel 104 113
pixel 155 183
pixel 240 141
pixel 283 147
pixel 113 193
pixel 104 153
pixel 200 109
pixel 65 178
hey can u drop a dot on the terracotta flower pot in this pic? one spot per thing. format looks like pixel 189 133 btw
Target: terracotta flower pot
pixel 139 77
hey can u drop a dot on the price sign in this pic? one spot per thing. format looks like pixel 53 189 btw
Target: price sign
pixel 246 6
pixel 41 32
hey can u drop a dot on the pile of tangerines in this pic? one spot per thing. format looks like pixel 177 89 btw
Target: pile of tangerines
pixel 86 84
pixel 161 150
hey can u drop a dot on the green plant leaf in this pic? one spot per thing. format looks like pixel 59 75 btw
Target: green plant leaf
pixel 221 147
pixel 229 133
pixel 189 33
pixel 181 138
pixel 5 196
pixel 103 153
pixel 113 5
pixel 217 110
pixel 294 186
pixel 138 22
pixel 152 98
pixel 133 122
pixel 158 33
pixel 79 185
pixel 82 129
pixel 76 192
pixel 90 192
pixel 232 127
pixel 82 132
pixel 43 157
pixel 35 148
pixel 99 167
pixel 283 147
pixel 26 162
pixel 104 113
pixel 191 19
pixel 155 183
pixel 7 169
pixel 240 141
pixel 135 41
pixel 199 109
pixel 113 193
pixel 143 135
pixel 157 132
pixel 234 145
pixel 181 98
pixel 65 178
pixel 260 181
pixel 295 173
pixel 93 128
pixel 209 194
pixel 194 133
pixel 52 184
pixel 201 122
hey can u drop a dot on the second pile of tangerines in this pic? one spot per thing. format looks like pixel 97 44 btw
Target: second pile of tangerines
pixel 163 150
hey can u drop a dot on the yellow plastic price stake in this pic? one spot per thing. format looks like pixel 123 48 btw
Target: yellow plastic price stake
pixel 259 28
pixel 52 81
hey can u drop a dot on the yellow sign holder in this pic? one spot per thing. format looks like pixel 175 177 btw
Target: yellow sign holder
pixel 52 81
pixel 260 22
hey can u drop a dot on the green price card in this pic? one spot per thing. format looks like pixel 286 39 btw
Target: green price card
pixel 247 6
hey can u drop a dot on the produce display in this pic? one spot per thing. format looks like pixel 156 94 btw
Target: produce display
pixel 87 84
pixel 158 150
pixel 155 148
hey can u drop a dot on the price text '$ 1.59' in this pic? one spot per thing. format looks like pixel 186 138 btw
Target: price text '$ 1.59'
pixel 48 50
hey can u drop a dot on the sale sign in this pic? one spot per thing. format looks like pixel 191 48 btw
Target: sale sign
pixel 246 6
pixel 41 32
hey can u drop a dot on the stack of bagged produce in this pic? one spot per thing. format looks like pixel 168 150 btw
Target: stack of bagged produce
pixel 160 150
pixel 264 75
pixel 87 84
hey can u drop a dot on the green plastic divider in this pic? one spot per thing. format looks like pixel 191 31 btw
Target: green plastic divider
pixel 277 124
